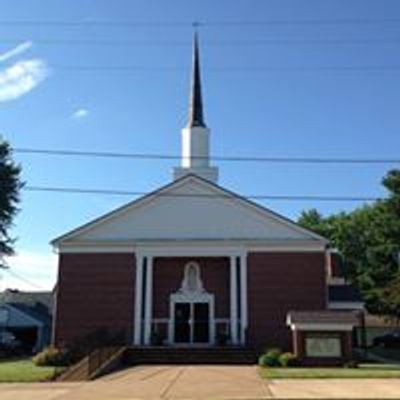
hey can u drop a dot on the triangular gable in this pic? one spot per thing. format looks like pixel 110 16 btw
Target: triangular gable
pixel 190 208
pixel 20 318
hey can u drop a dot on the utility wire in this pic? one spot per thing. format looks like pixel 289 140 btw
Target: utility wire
pixel 203 24
pixel 190 195
pixel 217 43
pixel 261 69
pixel 21 278
pixel 158 156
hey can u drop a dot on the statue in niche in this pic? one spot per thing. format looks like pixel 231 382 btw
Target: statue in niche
pixel 192 280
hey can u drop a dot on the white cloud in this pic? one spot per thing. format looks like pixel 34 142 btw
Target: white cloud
pixel 17 50
pixel 21 77
pixel 30 271
pixel 80 113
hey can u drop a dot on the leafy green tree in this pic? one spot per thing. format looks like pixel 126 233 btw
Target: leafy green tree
pixel 391 296
pixel 369 241
pixel 10 185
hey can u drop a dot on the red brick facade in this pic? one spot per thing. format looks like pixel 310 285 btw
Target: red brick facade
pixel 279 283
pixel 97 290
pixel 94 291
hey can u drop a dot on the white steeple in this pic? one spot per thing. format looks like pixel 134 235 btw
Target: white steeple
pixel 195 136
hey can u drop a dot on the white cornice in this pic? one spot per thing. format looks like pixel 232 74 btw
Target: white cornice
pixel 181 247
pixel 346 305
pixel 322 327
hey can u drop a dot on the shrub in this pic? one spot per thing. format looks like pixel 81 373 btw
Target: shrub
pixel 51 357
pixel 270 358
pixel 287 359
pixel 351 364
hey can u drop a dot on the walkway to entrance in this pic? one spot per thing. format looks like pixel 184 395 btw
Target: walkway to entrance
pixel 201 383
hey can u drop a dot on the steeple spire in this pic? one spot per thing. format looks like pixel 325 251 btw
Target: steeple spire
pixel 196 117
pixel 196 136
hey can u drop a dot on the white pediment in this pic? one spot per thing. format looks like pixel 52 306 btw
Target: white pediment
pixel 190 208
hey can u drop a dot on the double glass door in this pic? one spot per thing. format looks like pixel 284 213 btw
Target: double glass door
pixel 192 323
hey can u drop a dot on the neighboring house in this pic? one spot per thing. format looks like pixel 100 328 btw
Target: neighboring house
pixel 193 262
pixel 27 316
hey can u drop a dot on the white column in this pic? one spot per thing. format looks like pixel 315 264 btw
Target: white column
pixel 149 302
pixel 233 300
pixel 243 298
pixel 138 300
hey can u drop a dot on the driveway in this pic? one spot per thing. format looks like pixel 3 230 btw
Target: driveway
pixel 201 382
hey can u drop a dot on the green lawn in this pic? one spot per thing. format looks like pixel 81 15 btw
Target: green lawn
pixel 23 370
pixel 364 371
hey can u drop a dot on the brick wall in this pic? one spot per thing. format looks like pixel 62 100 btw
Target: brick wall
pixel 278 283
pixel 94 291
pixel 97 290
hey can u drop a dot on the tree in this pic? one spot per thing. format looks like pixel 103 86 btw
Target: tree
pixel 392 298
pixel 369 241
pixel 9 196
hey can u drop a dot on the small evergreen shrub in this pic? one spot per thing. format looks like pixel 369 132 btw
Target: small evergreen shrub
pixel 51 357
pixel 270 358
pixel 351 364
pixel 287 359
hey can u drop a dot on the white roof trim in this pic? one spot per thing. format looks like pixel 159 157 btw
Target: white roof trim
pixel 166 246
pixel 321 327
pixel 176 184
pixel 346 305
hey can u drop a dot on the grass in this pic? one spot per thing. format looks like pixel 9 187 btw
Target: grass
pixel 24 370
pixel 364 371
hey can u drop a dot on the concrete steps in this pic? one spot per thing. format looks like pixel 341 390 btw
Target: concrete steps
pixel 182 355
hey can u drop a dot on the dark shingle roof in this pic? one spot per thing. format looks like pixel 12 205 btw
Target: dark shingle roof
pixel 31 299
pixel 39 313
pixel 323 317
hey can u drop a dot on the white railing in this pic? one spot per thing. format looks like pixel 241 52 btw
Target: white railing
pixel 161 331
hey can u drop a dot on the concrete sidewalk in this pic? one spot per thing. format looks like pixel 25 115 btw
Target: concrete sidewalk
pixel 202 382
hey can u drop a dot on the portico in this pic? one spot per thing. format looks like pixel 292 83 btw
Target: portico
pixel 192 292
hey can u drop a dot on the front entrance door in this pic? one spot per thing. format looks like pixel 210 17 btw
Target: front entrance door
pixel 192 323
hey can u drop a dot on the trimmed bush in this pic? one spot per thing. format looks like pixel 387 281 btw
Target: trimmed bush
pixel 287 359
pixel 270 358
pixel 51 357
pixel 351 364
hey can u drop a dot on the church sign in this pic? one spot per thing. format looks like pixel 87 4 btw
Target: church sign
pixel 323 345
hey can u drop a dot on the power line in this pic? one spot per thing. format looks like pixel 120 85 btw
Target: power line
pixel 322 21
pixel 21 278
pixel 190 195
pixel 261 69
pixel 203 24
pixel 217 43
pixel 158 156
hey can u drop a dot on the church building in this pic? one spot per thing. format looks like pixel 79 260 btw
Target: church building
pixel 193 264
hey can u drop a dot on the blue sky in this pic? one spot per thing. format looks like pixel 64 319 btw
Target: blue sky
pixel 45 102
